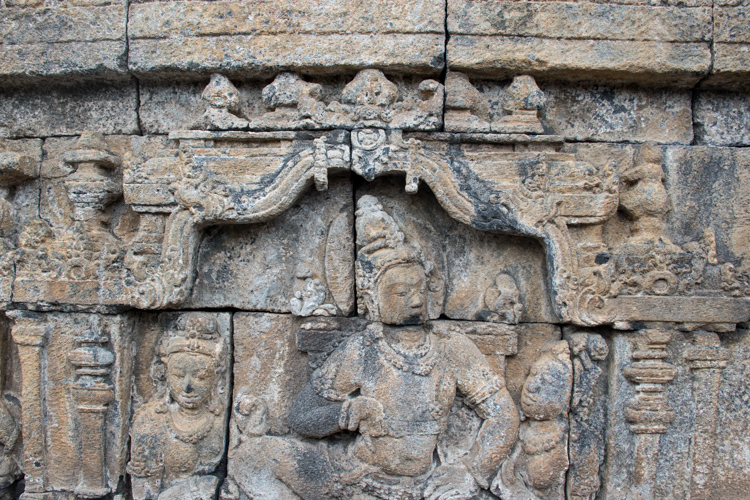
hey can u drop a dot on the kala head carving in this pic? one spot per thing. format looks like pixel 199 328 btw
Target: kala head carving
pixel 391 275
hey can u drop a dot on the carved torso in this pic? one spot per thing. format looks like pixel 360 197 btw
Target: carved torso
pixel 426 386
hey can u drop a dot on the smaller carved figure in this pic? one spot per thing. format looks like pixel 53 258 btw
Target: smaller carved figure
pixel 587 416
pixel 536 468
pixel 503 300
pixel 223 101
pixel 309 300
pixel 522 101
pixel 292 99
pixel 466 109
pixel 177 439
pixel 371 95
pixel 645 200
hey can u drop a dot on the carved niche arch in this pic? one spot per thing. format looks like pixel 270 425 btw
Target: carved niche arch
pixel 508 183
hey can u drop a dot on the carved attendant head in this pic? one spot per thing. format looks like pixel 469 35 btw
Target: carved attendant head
pixel 504 300
pixel 546 392
pixel 392 276
pixel 191 360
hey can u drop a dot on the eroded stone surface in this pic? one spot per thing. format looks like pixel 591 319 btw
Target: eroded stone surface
pixel 369 275
pixel 312 241
pixel 65 110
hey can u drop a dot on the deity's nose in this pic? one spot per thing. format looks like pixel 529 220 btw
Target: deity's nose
pixel 416 301
pixel 188 386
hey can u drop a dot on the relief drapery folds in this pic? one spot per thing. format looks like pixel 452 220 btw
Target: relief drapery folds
pixel 396 255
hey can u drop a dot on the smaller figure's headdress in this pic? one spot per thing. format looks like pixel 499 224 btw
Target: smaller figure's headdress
pixel 194 334
pixel 381 247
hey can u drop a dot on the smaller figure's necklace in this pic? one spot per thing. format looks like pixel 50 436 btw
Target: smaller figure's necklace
pixel 419 360
pixel 198 428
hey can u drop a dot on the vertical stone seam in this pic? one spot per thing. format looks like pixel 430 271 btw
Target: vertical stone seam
pixel 697 127
pixel 444 73
pixel 139 125
pixel 223 469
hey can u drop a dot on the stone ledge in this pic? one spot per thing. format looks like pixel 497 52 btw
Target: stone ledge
pixel 680 64
pixel 68 24
pixel 221 18
pixel 102 59
pixel 579 21
pixel 266 55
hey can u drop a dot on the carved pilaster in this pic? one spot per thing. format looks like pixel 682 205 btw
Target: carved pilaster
pixel 93 393
pixel 706 360
pixel 649 412
pixel 29 334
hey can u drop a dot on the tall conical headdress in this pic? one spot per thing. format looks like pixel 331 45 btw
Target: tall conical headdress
pixel 381 247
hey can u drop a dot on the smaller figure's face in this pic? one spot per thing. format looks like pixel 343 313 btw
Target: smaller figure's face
pixel 191 378
pixel 545 393
pixel 402 296
pixel 598 348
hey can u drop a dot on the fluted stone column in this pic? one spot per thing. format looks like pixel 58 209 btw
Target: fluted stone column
pixel 29 334
pixel 92 393
pixel 706 360
pixel 648 412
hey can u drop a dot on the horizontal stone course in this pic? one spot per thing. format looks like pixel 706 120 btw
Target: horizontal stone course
pixel 68 111
pixel 267 54
pixel 202 18
pixel 640 61
pixel 69 24
pixel 106 58
pixel 579 20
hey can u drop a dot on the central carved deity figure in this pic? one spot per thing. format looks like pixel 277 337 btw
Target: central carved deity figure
pixel 383 398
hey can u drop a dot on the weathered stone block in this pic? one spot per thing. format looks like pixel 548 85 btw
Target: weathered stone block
pixel 731 61
pixel 680 64
pixel 166 19
pixel 270 365
pixel 66 110
pixel 723 118
pixel 262 55
pixel 237 38
pixel 38 41
pixel 579 20
pixel 583 112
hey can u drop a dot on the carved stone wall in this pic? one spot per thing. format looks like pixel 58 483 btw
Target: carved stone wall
pixel 376 251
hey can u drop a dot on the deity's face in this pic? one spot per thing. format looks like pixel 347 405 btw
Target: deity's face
pixel 191 378
pixel 402 295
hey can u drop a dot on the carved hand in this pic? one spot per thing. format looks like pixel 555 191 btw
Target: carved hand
pixel 363 413
pixel 451 482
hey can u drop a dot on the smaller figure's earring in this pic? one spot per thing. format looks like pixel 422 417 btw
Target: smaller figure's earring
pixel 214 404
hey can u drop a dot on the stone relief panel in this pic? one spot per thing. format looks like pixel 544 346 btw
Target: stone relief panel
pixel 445 315
pixel 177 438
pixel 362 374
